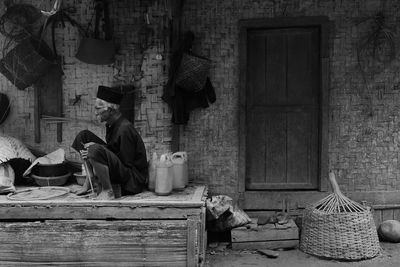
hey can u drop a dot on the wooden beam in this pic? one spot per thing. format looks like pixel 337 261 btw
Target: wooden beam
pixel 176 32
pixel 275 244
pixel 272 200
pixel 324 121
pixel 242 111
pixel 250 235
pixel 120 213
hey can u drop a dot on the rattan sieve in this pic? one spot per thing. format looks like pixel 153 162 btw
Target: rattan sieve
pixel 339 228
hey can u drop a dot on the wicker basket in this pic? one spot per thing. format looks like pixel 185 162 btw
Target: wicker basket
pixel 347 236
pixel 344 232
pixel 27 62
pixel 192 73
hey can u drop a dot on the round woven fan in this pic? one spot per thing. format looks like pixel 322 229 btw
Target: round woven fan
pixel 38 193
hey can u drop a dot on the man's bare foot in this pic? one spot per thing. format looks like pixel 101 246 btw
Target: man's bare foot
pixel 81 191
pixel 105 195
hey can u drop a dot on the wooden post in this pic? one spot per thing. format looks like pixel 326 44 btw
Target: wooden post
pixel 176 8
pixel 60 101
pixel 192 242
pixel 36 113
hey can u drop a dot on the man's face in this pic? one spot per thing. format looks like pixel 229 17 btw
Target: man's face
pixel 101 111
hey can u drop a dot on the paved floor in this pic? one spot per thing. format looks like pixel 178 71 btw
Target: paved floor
pixel 223 257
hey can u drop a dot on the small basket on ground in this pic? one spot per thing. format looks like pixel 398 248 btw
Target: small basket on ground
pixel 339 228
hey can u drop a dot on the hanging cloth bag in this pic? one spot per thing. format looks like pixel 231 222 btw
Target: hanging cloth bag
pixel 95 50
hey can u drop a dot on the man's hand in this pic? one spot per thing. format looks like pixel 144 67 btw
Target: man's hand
pixel 84 152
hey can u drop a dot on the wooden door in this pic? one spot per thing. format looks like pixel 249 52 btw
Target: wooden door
pixel 282 108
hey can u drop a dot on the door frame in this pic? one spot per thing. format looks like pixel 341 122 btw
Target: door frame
pixel 251 199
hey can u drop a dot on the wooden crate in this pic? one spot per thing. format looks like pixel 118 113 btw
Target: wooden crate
pixel 269 236
pixel 141 230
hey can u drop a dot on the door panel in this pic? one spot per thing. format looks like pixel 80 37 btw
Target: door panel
pixel 275 147
pixel 255 155
pixel 301 148
pixel 282 106
pixel 302 68
pixel 256 70
pixel 275 67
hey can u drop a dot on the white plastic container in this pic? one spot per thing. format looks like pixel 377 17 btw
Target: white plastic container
pixel 180 170
pixel 152 172
pixel 164 176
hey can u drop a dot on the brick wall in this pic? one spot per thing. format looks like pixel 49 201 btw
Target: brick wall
pixel 363 123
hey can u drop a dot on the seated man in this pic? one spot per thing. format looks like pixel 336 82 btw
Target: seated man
pixel 121 159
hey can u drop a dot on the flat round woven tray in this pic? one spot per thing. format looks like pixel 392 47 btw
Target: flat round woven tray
pixel 38 193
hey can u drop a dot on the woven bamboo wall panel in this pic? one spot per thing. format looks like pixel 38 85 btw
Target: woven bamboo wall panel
pixel 135 63
pixel 364 116
pixel 364 113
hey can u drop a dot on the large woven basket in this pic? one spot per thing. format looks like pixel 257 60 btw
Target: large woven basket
pixel 343 232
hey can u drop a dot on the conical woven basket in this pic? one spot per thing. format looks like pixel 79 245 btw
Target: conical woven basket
pixel 339 228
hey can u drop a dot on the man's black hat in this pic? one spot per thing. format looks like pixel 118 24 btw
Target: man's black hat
pixel 109 94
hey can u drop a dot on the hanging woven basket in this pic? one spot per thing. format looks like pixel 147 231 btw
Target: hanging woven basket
pixel 339 228
pixel 193 72
pixel 4 107
pixel 27 62
pixel 20 21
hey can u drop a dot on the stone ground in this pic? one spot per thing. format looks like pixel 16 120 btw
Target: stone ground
pixel 223 257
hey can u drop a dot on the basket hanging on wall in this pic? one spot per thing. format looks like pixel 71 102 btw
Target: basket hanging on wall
pixel 19 21
pixel 4 107
pixel 27 62
pixel 94 50
pixel 193 72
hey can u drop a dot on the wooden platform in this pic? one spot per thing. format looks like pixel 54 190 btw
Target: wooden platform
pixel 140 230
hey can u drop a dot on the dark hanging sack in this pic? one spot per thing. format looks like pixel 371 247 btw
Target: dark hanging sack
pixel 95 50
pixel 27 62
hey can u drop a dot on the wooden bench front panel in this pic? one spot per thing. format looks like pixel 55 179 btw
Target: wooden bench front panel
pixel 94 243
